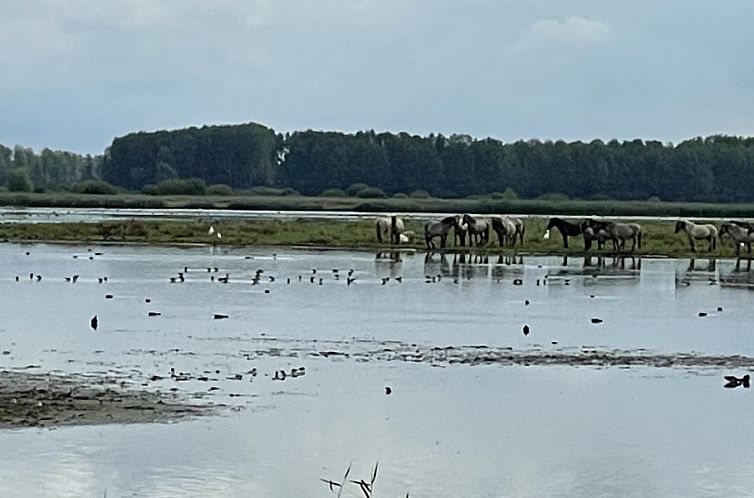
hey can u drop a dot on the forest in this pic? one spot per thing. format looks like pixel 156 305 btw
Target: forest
pixel 713 169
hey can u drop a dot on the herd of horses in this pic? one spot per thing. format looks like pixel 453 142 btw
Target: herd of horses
pixel 476 230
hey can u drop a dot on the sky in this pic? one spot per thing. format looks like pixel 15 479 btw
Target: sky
pixel 74 74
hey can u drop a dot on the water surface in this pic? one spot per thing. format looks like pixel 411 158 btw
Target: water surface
pixel 476 408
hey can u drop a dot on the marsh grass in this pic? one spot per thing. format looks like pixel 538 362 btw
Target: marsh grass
pixel 658 237
pixel 493 203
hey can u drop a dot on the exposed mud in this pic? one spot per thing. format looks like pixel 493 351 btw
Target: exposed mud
pixel 47 400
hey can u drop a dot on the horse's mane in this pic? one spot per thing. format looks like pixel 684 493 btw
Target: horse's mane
pixel 448 219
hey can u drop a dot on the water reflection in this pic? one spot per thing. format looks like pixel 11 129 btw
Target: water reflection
pixel 698 270
pixel 740 276
pixel 596 269
pixel 466 266
pixel 387 264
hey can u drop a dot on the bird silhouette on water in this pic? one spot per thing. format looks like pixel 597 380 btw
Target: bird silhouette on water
pixel 733 381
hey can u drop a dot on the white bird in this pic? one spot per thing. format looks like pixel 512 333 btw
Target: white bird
pixel 211 230
pixel 547 234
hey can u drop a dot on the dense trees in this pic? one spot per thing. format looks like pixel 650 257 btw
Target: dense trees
pixel 22 169
pixel 252 156
pixel 240 156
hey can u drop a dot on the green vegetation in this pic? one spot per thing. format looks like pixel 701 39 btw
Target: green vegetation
pixel 252 158
pixel 289 201
pixel 658 236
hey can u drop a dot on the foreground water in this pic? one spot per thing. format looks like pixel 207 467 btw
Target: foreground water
pixel 631 406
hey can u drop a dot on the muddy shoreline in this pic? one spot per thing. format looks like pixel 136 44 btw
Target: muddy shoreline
pixel 33 399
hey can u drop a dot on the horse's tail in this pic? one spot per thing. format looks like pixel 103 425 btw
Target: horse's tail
pixel 393 229
pixel 638 239
pixel 378 229
pixel 521 234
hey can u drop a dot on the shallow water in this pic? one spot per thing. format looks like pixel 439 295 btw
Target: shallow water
pixel 631 406
pixel 91 215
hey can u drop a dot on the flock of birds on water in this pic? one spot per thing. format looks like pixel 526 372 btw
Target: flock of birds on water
pixel 591 230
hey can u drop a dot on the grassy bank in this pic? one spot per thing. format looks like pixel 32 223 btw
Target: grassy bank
pixel 298 203
pixel 658 236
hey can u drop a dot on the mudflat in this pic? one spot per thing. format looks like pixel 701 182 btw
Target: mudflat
pixel 33 399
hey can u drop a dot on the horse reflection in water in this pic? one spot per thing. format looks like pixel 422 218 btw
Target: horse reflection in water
pixel 597 270
pixel 387 264
pixel 698 271
pixel 740 277
pixel 465 266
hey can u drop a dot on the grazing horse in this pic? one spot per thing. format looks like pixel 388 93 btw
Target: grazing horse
pixel 620 232
pixel 506 230
pixel 439 229
pixel 478 228
pixel 698 232
pixel 566 229
pixel 389 226
pixel 739 234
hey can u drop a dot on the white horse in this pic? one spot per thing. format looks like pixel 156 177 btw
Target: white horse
pixel 389 227
pixel 698 232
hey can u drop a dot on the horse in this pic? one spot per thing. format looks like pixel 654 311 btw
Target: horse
pixel 388 226
pixel 439 229
pixel 478 228
pixel 745 224
pixel 698 232
pixel 520 230
pixel 566 229
pixel 459 233
pixel 506 230
pixel 740 235
pixel 619 232
pixel 596 230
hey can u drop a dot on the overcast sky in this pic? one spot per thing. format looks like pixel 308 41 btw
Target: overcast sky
pixel 76 73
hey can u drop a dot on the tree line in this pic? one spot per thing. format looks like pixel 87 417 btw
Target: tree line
pixel 712 169
pixel 22 169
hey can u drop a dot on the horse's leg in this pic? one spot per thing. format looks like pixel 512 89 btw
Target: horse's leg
pixel 443 239
pixel 565 239
pixel 379 233
pixel 691 243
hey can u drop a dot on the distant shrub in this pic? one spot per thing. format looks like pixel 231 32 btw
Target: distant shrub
pixel 290 192
pixel 260 190
pixel 150 189
pixel 554 196
pixel 355 188
pixel 371 193
pixel 97 187
pixel 654 198
pixel 508 195
pixel 219 189
pixel 419 194
pixel 177 186
pixel 400 195
pixel 333 192
pixel 600 197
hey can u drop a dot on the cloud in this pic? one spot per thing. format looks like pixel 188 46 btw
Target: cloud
pixel 574 31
